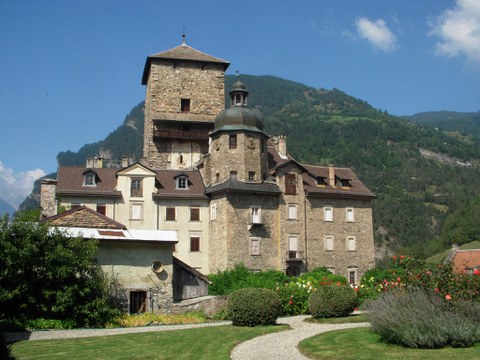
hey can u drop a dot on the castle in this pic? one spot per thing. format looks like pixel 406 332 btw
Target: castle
pixel 231 192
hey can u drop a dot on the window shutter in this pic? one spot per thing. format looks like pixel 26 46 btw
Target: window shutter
pixel 170 214
pixel 290 184
pixel 194 243
pixel 194 214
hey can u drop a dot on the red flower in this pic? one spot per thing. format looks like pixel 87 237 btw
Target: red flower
pixel 398 279
pixel 476 271
pixel 290 302
pixel 437 290
pixel 394 257
pixel 402 257
pixel 448 297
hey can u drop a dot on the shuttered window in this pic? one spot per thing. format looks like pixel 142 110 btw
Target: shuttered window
pixel 194 214
pixel 170 214
pixel 194 243
pixel 290 184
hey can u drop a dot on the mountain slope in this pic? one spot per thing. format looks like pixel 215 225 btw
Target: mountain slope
pixel 422 176
pixel 464 122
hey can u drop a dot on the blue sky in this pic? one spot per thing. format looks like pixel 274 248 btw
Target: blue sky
pixel 71 70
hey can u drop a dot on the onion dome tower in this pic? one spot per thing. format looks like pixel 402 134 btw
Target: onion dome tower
pixel 238 148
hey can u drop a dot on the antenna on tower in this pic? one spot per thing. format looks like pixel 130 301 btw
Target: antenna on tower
pixel 184 36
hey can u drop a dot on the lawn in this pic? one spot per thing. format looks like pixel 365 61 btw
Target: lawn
pixel 362 344
pixel 214 342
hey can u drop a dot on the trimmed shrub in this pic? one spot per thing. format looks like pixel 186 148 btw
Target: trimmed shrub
pixel 252 307
pixel 332 301
pixel 417 318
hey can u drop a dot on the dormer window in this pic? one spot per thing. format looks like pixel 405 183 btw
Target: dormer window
pixel 181 182
pixel 185 105
pixel 136 188
pixel 321 181
pixel 89 179
pixel 345 183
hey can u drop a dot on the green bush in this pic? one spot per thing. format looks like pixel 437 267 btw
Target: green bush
pixel 253 306
pixel 418 318
pixel 332 301
pixel 240 277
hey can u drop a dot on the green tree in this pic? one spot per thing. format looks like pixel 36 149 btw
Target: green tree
pixel 45 274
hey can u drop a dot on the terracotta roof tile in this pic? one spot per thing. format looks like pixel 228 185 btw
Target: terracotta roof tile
pixel 81 216
pixel 465 259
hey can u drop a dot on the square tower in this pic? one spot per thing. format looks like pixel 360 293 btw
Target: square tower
pixel 185 91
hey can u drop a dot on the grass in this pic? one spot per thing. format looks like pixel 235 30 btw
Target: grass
pixel 214 342
pixel 339 320
pixel 363 344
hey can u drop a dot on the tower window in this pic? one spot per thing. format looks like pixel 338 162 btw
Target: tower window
pixel 290 184
pixel 232 141
pixel 251 176
pixel 233 175
pixel 185 105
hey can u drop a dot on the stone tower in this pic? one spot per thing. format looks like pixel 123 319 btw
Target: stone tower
pixel 184 93
pixel 238 148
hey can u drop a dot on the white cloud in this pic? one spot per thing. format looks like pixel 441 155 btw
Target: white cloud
pixel 459 31
pixel 14 188
pixel 377 33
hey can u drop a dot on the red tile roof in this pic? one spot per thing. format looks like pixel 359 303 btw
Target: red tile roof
pixel 168 185
pixel 81 216
pixel 70 182
pixel 465 259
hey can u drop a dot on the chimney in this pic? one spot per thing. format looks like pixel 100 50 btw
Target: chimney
pixel 282 146
pixel 48 204
pixel 89 164
pixel 331 175
pixel 98 162
pixel 125 161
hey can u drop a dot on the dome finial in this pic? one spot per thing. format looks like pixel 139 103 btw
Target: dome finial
pixel 183 37
pixel 238 75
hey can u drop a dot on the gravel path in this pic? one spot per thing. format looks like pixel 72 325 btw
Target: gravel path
pixel 283 345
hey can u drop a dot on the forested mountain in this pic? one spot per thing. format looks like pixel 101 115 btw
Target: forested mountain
pixel 427 180
pixel 464 122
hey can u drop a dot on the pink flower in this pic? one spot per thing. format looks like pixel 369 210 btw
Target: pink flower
pixel 448 297
pixel 290 302
pixel 402 257
pixel 437 290
pixel 394 257
pixel 398 279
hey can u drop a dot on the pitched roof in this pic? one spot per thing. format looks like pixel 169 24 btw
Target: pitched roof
pixel 182 52
pixel 167 185
pixel 82 216
pixel 356 188
pixel 312 173
pixel 463 259
pixel 122 235
pixel 70 182
pixel 233 185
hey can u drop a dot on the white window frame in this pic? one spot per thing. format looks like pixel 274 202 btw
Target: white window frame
pixel 182 183
pixel 351 243
pixel 255 214
pixel 328 213
pixel 213 212
pixel 354 270
pixel 134 212
pixel 92 176
pixel 349 214
pixel 255 249
pixel 329 243
pixel 292 212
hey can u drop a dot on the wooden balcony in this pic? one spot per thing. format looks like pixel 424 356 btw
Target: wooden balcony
pixel 292 255
pixel 180 134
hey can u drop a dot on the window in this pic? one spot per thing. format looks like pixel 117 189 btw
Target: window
pixel 213 212
pixel 138 302
pixel 293 247
pixel 254 246
pixel 232 142
pixel 352 275
pixel 349 215
pixel 321 182
pixel 194 243
pixel 89 179
pixel 345 183
pixel 292 212
pixel 170 214
pixel 290 184
pixel 251 176
pixel 136 211
pixel 351 243
pixel 182 183
pixel 102 209
pixel 185 105
pixel 329 243
pixel 233 175
pixel 328 213
pixel 194 214
pixel 255 215
pixel 136 188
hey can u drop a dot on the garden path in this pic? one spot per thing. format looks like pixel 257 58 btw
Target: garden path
pixel 283 345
